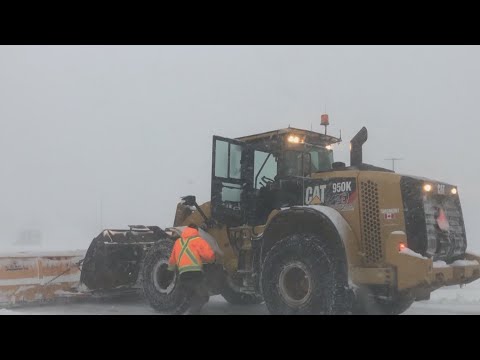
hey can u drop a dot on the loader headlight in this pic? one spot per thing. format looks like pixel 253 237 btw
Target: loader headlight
pixel 454 191
pixel 293 139
pixel 427 187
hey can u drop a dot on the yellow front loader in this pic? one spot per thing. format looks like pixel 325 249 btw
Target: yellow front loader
pixel 290 227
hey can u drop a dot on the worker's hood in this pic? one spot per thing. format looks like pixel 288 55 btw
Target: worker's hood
pixel 189 232
pixel 202 233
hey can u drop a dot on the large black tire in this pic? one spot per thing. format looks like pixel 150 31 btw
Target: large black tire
pixel 369 305
pixel 395 307
pixel 161 286
pixel 300 276
pixel 237 298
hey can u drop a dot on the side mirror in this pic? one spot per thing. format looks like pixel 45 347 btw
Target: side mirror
pixel 189 200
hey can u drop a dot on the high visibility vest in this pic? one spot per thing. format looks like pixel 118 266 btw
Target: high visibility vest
pixel 186 260
pixel 189 253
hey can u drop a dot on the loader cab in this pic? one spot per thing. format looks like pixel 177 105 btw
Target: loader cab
pixel 253 175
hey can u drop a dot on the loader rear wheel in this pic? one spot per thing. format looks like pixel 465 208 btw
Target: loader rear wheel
pixel 160 285
pixel 367 304
pixel 396 307
pixel 235 297
pixel 300 276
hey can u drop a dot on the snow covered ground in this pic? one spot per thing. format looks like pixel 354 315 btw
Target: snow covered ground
pixel 447 301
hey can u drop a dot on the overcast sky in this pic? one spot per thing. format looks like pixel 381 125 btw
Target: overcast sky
pixel 128 128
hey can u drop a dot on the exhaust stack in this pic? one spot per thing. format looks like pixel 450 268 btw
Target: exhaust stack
pixel 356 147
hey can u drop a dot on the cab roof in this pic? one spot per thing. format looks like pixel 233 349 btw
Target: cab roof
pixel 311 137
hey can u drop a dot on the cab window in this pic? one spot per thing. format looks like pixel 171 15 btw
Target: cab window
pixel 297 163
pixel 265 168
pixel 322 160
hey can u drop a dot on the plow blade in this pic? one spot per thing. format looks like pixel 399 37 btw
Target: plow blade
pixel 38 277
pixel 115 257
pixel 110 268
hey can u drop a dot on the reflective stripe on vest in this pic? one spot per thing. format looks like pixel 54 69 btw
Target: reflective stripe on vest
pixel 186 250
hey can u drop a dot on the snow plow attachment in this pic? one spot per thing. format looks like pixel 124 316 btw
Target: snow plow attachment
pixel 38 277
pixel 111 267
pixel 115 257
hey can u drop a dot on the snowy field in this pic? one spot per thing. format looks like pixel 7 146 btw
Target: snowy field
pixel 447 301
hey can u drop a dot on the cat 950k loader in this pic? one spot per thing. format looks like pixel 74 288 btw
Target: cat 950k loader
pixel 300 232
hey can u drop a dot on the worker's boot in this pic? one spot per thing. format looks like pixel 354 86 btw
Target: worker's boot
pixel 199 298
pixel 198 302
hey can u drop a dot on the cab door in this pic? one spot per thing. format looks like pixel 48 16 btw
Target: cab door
pixel 232 167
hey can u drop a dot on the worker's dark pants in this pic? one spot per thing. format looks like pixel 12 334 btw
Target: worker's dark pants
pixel 193 282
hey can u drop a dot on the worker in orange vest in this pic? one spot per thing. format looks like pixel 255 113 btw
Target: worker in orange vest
pixel 189 253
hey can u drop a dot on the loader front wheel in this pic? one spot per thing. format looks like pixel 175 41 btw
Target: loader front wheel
pixel 300 276
pixel 160 285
